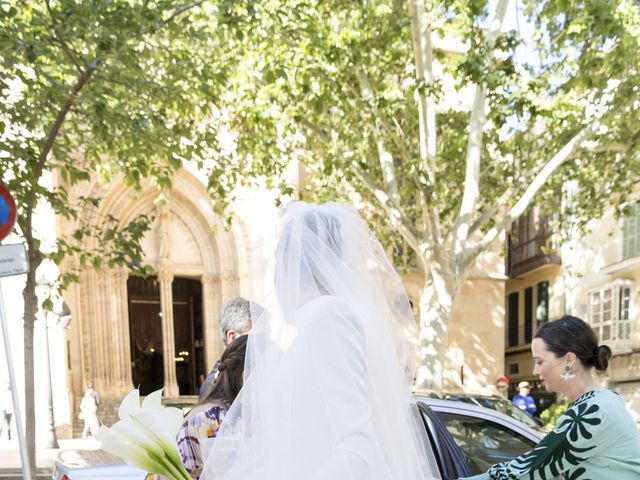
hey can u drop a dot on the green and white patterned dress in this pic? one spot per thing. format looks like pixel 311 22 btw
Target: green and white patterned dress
pixel 595 439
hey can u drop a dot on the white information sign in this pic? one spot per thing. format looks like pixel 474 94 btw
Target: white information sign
pixel 13 260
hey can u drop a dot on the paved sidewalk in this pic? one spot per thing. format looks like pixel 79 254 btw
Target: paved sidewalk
pixel 76 451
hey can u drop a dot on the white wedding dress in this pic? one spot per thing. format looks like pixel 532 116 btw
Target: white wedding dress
pixel 325 397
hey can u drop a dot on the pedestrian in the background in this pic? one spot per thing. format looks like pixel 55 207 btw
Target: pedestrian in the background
pixel 6 409
pixel 595 438
pixel 523 400
pixel 502 387
pixel 89 411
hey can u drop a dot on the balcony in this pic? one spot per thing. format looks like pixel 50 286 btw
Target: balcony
pixel 529 245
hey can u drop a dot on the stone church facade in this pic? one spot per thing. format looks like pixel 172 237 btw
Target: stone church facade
pixel 161 331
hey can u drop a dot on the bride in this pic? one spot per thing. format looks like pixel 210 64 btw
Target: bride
pixel 329 363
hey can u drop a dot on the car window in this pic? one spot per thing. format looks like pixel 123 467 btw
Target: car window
pixel 484 442
pixel 508 408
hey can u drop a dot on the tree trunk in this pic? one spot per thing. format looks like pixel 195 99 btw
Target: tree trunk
pixel 30 310
pixel 436 303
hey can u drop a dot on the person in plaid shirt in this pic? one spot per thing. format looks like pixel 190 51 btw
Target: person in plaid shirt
pixel 204 420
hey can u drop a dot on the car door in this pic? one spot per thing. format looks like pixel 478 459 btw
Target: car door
pixel 441 447
pixel 486 438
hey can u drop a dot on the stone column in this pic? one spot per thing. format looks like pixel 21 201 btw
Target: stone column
pixel 211 306
pixel 229 285
pixel 165 276
pixel 102 342
pixel 122 351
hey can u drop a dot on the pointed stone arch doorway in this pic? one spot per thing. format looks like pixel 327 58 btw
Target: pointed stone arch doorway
pixel 145 333
pixel 189 250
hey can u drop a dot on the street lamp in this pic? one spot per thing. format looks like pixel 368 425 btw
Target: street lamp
pixel 47 276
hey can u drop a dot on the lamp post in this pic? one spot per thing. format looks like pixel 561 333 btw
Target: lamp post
pixel 48 274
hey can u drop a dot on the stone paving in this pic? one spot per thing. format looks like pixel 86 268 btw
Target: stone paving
pixel 80 452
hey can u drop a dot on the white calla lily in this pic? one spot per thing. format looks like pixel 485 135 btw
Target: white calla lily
pixel 145 436
pixel 153 400
pixel 130 404
pixel 163 423
pixel 131 453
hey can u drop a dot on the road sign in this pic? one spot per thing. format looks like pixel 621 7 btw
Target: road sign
pixel 13 260
pixel 7 212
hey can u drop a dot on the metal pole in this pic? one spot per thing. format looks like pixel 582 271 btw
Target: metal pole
pixel 26 468
pixel 52 441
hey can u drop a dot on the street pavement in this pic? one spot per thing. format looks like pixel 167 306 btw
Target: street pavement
pixel 75 451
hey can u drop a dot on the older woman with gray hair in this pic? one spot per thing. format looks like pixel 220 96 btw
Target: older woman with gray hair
pixel 235 321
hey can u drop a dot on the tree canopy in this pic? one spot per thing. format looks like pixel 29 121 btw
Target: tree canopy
pixel 447 119
pixel 105 89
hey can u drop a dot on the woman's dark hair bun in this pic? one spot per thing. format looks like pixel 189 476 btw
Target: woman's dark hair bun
pixel 601 360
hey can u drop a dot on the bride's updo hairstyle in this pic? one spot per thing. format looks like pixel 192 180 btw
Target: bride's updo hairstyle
pixel 571 334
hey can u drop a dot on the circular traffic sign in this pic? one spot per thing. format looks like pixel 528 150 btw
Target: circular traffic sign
pixel 7 212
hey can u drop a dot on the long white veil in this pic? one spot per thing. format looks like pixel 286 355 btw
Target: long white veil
pixel 329 362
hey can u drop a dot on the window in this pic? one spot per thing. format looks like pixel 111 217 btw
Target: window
pixel 542 304
pixel 484 442
pixel 609 312
pixel 631 233
pixel 528 314
pixel 536 312
pixel 512 319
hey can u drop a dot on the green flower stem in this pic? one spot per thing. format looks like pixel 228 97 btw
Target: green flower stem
pixel 170 469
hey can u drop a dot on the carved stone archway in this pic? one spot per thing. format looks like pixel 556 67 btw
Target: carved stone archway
pixel 186 239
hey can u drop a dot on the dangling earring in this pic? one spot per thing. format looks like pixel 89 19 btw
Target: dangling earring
pixel 568 374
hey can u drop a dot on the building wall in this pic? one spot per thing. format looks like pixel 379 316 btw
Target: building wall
pixel 597 263
pixel 518 360
pixel 589 262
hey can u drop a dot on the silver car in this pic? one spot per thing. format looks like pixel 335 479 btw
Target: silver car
pixel 464 439
pixel 460 439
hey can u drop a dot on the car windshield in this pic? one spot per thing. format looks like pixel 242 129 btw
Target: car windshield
pixel 499 404
pixel 508 408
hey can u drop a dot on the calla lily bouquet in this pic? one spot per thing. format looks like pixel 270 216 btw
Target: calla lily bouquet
pixel 145 436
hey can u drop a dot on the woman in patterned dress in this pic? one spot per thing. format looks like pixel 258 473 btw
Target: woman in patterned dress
pixel 596 438
pixel 203 421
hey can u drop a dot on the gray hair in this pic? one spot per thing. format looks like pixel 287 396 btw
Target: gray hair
pixel 235 315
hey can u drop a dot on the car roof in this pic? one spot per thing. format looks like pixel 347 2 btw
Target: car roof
pixel 462 408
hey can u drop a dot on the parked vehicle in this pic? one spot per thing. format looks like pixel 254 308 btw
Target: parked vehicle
pixel 95 472
pixel 495 402
pixel 465 439
pixel 460 439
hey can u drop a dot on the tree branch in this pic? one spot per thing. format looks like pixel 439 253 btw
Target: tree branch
pixel 396 214
pixel 594 147
pixel 474 143
pixel 322 135
pixel 369 102
pixel 83 78
pixel 384 156
pixel 423 57
pixel 65 48
pixel 493 209
pixel 539 180
pixel 181 10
